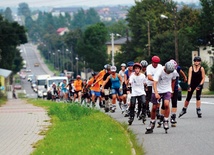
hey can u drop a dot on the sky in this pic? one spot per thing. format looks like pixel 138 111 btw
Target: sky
pixel 59 3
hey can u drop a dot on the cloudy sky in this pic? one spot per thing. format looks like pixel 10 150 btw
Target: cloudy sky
pixel 56 3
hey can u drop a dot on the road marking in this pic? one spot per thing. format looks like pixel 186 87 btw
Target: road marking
pixel 207 103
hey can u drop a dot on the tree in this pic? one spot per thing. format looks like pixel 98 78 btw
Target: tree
pixel 206 30
pixel 24 10
pixel 11 36
pixel 8 14
pixel 92 48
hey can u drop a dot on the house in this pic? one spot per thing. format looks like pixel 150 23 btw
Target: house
pixel 5 76
pixel 117 45
pixel 62 31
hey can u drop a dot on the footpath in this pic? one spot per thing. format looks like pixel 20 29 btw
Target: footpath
pixel 20 127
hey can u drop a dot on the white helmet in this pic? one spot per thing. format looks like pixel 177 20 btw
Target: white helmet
pixel 144 63
pixel 175 63
pixel 123 65
pixel 170 67
pixel 113 68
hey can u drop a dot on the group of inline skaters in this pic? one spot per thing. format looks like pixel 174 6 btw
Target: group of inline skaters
pixel 139 84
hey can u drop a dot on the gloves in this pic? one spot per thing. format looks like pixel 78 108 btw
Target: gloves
pixel 199 87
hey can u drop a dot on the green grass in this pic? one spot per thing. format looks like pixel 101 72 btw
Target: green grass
pixel 3 100
pixel 83 131
pixel 204 92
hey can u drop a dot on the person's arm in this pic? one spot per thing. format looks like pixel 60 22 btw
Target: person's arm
pixel 104 82
pixel 121 81
pixel 183 75
pixel 189 78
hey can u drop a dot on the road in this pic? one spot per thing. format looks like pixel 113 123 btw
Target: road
pixel 192 136
pixel 31 55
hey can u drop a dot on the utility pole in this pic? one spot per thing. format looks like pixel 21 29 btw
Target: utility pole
pixel 112 48
pixel 176 35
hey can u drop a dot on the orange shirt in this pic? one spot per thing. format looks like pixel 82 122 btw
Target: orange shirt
pixel 101 75
pixel 96 87
pixel 78 85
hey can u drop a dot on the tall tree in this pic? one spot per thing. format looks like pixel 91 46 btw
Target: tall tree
pixel 93 49
pixel 8 14
pixel 24 10
pixel 206 30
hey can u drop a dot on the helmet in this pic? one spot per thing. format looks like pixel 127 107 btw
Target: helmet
pixel 155 59
pixel 113 68
pixel 93 73
pixel 170 67
pixel 78 76
pixel 137 65
pixel 144 63
pixel 107 67
pixel 130 63
pixel 197 58
pixel 123 65
pixel 175 63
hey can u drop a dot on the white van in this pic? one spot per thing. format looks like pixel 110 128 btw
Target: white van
pixel 41 81
pixel 57 80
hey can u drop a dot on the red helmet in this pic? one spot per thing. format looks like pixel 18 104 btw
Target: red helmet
pixel 137 65
pixel 155 59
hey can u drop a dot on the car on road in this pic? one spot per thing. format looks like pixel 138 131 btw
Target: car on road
pixel 28 70
pixel 36 64
pixel 31 77
pixel 17 86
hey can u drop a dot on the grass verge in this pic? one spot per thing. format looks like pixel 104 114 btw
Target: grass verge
pixel 81 130
pixel 3 100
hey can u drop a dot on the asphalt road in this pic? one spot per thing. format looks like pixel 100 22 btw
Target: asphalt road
pixel 192 136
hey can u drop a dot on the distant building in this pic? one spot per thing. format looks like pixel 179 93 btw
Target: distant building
pixel 117 45
pixel 62 31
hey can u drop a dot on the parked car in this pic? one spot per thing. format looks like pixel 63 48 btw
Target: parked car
pixel 30 77
pixel 28 70
pixel 17 86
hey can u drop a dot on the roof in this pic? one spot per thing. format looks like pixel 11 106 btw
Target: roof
pixel 5 73
pixel 119 41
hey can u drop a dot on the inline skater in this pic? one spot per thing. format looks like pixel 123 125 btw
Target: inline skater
pixel 128 72
pixel 196 78
pixel 137 81
pixel 85 94
pixel 78 88
pixel 116 86
pixel 164 82
pixel 151 70
pixel 94 87
pixel 122 74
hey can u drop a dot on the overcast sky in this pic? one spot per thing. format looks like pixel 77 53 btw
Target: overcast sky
pixel 57 3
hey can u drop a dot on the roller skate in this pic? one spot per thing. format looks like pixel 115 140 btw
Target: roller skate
pixel 93 104
pixel 107 108
pixel 160 121
pixel 143 116
pixel 113 108
pixel 124 107
pixel 150 128
pixel 173 121
pixel 131 119
pixel 166 125
pixel 120 105
pixel 184 111
pixel 198 111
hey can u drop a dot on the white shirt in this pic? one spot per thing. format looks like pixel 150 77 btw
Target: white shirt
pixel 137 83
pixel 122 74
pixel 164 80
pixel 150 70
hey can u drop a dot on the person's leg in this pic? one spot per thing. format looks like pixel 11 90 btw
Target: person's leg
pixel 198 103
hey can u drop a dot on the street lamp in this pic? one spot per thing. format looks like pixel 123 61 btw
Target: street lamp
pixel 175 33
pixel 54 59
pixel 77 59
pixel 58 60
pixel 112 46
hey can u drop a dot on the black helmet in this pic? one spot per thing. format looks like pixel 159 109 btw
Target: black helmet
pixel 197 58
pixel 93 73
